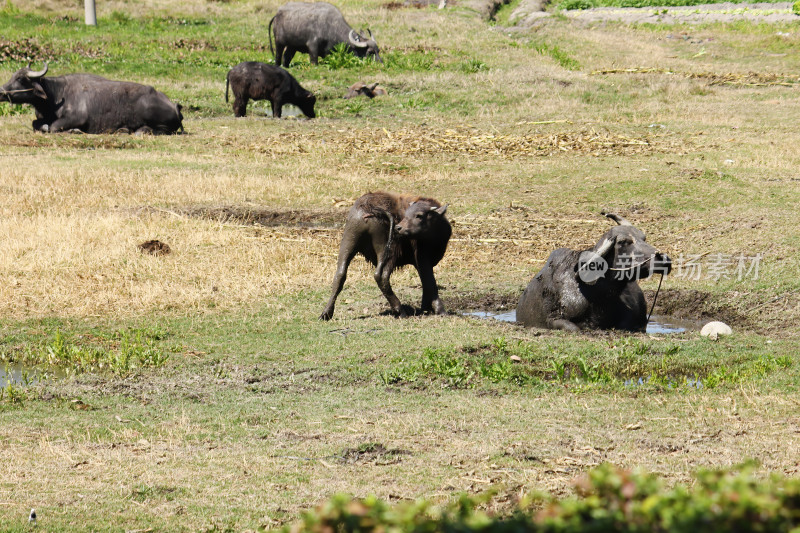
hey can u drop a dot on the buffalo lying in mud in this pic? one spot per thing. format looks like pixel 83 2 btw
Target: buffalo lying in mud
pixel 315 28
pixel 362 89
pixel 260 81
pixel 391 231
pixel 92 104
pixel 595 288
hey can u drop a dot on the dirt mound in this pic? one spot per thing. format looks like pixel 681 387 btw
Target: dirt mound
pixel 155 247
pixel 697 305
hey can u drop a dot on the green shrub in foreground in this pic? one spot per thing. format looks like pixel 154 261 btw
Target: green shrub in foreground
pixel 608 499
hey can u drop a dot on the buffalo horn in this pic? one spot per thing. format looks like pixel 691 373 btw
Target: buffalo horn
pixel 354 39
pixel 38 73
pixel 618 219
pixel 604 247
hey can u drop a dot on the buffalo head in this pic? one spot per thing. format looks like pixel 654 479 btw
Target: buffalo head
pixel 306 104
pixel 623 254
pixel 24 86
pixel 419 218
pixel 363 46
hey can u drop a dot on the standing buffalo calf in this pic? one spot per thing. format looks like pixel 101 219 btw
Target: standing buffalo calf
pixel 595 288
pixel 391 231
pixel 92 104
pixel 315 28
pixel 260 81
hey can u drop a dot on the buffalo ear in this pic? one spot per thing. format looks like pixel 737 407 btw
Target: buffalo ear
pixel 441 210
pixel 38 91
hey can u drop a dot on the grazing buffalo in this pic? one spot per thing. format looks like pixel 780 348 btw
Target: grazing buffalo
pixel 260 81
pixel 92 104
pixel 595 288
pixel 315 28
pixel 391 231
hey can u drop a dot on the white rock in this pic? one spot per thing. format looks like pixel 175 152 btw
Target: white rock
pixel 713 330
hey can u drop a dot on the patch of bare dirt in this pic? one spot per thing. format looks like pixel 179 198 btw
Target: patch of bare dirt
pixel 372 452
pixel 262 216
pixel 700 14
pixel 482 302
pixel 751 79
pixel 698 305
pixel 194 45
pixel 155 247
pixel 25 50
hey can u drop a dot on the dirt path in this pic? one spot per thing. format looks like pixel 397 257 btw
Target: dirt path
pixel 531 11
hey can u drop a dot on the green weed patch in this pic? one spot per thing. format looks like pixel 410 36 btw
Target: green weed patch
pixel 608 499
pixel 120 353
pixel 626 364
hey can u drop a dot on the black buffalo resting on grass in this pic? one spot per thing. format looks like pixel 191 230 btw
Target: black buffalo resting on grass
pixel 315 28
pixel 595 288
pixel 92 104
pixel 259 81
pixel 391 231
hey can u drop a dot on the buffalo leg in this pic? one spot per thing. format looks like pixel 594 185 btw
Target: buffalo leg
pixel 240 106
pixel 430 291
pixel 382 275
pixel 562 323
pixel 288 55
pixel 277 105
pixel 63 124
pixel 346 253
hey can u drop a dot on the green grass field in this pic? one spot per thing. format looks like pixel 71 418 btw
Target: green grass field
pixel 198 390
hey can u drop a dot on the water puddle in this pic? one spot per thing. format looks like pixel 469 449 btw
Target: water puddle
pixel 673 382
pixel 506 316
pixel 21 376
pixel 658 324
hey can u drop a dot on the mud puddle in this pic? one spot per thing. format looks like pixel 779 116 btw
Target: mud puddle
pixel 658 324
pixel 18 375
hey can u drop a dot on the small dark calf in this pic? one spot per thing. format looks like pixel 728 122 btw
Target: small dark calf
pixel 259 81
pixel 595 288
pixel 391 231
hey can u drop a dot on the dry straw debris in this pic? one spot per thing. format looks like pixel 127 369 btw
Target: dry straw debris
pixel 422 141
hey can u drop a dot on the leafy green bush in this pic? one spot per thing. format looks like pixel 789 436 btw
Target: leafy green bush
pixel 796 7
pixel 608 500
pixel 341 57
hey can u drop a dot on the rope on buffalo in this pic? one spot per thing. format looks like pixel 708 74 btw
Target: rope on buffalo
pixel 628 269
pixel 655 297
